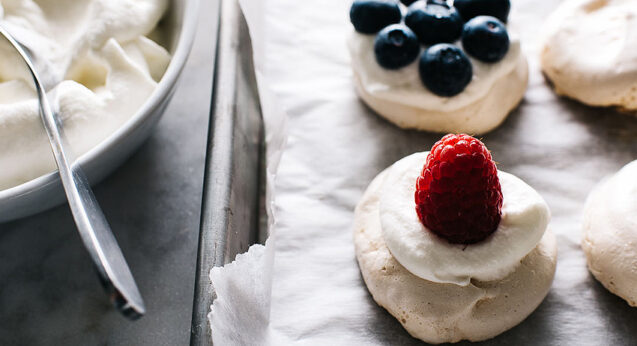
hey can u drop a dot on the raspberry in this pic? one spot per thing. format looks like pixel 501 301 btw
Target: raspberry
pixel 458 194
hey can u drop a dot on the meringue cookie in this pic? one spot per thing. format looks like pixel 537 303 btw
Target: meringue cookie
pixel 109 68
pixel 610 233
pixel 400 97
pixel 437 312
pixel 588 52
pixel 525 216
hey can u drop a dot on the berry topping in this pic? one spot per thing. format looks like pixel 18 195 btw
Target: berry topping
pixel 445 69
pixel 434 22
pixel 396 46
pixel 485 38
pixel 458 194
pixel 439 2
pixel 473 8
pixel 370 16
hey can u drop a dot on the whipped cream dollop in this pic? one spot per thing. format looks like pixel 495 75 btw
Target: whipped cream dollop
pixel 610 233
pixel 405 87
pixel 109 64
pixel 589 51
pixel 525 216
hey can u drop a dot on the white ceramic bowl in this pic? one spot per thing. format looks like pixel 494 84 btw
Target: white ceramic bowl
pixel 46 191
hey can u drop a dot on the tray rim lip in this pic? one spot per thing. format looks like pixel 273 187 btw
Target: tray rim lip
pixel 164 90
pixel 215 224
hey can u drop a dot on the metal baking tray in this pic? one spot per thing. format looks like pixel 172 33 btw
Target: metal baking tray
pixel 232 205
pixel 234 172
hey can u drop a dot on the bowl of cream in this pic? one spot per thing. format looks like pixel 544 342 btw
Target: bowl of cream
pixel 119 62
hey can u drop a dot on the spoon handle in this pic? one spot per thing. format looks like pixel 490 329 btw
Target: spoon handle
pixel 91 223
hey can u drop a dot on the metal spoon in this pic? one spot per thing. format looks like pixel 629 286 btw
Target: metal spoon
pixel 89 218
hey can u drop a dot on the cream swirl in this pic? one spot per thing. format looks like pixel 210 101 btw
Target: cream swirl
pixel 525 216
pixel 589 51
pixel 405 87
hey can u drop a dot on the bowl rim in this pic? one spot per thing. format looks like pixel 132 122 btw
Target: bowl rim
pixel 176 65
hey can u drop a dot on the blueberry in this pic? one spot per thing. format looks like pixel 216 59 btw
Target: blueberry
pixel 396 46
pixel 485 38
pixel 472 8
pixel 439 2
pixel 369 16
pixel 445 70
pixel 434 23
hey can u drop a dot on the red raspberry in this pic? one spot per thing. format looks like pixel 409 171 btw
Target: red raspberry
pixel 458 193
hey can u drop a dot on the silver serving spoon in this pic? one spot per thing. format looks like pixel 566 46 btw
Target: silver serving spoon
pixel 89 218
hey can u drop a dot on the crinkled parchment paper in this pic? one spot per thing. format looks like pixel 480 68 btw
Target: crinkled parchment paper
pixel 336 145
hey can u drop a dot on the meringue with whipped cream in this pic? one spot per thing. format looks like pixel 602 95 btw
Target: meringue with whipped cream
pixel 589 52
pixel 422 280
pixel 525 216
pixel 400 96
pixel 109 62
pixel 610 233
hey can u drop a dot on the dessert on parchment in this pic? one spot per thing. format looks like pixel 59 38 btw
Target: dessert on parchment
pixel 610 233
pixel 589 54
pixel 432 66
pixel 452 247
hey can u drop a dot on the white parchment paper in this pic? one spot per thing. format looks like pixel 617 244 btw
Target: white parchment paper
pixel 336 145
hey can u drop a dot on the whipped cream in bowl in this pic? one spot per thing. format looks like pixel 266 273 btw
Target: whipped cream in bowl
pixel 119 62
pixel 525 217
